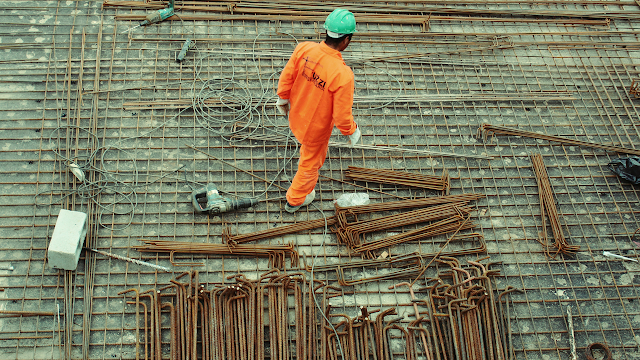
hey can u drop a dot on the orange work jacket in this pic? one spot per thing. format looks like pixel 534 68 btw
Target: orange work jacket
pixel 319 86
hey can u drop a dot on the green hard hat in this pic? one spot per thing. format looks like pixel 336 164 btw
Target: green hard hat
pixel 341 21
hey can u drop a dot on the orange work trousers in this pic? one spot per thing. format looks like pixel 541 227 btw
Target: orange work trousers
pixel 311 160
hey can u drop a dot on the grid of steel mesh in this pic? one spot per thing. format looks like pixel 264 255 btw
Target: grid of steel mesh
pixel 76 88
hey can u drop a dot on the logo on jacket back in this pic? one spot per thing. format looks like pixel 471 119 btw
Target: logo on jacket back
pixel 310 74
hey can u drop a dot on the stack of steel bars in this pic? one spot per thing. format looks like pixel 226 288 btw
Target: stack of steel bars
pixel 342 216
pixel 450 215
pixel 453 224
pixel 352 233
pixel 245 320
pixel 343 211
pixel 548 207
pixel 275 253
pixel 277 231
pixel 463 318
pixel 430 182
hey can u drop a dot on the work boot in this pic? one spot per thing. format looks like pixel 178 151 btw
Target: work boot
pixel 307 200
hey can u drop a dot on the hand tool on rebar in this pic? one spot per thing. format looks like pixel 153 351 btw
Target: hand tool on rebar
pixel 207 199
pixel 156 16
pixel 610 254
pixel 157 267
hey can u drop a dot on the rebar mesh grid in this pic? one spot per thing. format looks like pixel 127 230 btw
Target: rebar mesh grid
pixel 67 65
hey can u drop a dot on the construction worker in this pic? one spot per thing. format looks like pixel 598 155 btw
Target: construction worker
pixel 316 91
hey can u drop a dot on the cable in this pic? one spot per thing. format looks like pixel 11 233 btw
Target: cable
pixel 231 123
pixel 122 184
pixel 112 183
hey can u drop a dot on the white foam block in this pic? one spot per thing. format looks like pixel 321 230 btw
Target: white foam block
pixel 67 239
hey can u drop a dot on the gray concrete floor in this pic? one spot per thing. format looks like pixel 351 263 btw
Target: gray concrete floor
pixel 73 87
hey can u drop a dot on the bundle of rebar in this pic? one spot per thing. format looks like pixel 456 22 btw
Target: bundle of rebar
pixel 430 182
pixel 452 224
pixel 352 234
pixel 548 209
pixel 343 211
pixel 343 214
pixel 241 312
pixel 275 253
pixel 487 129
pixel 243 320
pixel 277 231
pixel 451 214
pixel 463 318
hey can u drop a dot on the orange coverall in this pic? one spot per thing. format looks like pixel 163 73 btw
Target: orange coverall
pixel 319 86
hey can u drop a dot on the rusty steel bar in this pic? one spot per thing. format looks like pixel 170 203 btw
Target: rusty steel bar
pixel 383 176
pixel 487 129
pixel 277 231
pixel 362 187
pixel 421 20
pixel 548 207
pixel 276 253
pixel 403 204
pixel 137 297
pixel 352 233
pixel 370 10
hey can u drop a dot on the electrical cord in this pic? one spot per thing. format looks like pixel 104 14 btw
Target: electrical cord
pixel 110 183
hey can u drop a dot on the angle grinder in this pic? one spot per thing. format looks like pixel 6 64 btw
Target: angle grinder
pixel 207 199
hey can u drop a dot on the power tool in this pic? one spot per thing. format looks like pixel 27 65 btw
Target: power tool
pixel 157 16
pixel 183 52
pixel 207 199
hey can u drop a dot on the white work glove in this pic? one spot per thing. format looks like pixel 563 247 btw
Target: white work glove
pixel 355 137
pixel 283 106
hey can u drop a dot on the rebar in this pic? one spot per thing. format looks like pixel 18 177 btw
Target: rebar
pixel 341 212
pixel 487 129
pixel 438 228
pixel 275 253
pixel 430 182
pixel 352 233
pixel 548 208
pixel 228 321
pixel 277 231
pixel 392 14
pixel 461 320
pixel 600 346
